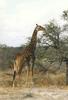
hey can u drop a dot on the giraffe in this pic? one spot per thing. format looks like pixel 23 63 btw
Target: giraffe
pixel 27 55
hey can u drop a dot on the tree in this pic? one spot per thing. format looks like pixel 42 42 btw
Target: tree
pixel 65 28
pixel 58 44
pixel 52 38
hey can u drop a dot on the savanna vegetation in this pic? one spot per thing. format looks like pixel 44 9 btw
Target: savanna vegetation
pixel 51 66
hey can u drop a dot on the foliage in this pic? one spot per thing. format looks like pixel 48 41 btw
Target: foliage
pixel 7 55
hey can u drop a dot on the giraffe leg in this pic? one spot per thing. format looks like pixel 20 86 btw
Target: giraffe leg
pixel 33 61
pixel 32 68
pixel 28 70
pixel 14 76
pixel 26 78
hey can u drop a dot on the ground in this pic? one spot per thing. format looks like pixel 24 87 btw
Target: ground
pixel 40 90
pixel 33 94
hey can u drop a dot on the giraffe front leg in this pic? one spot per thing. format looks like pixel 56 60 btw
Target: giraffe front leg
pixel 32 69
pixel 33 62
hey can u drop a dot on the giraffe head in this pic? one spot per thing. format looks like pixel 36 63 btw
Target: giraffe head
pixel 39 28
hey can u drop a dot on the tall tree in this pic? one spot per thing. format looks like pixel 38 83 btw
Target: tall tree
pixel 58 44
pixel 65 29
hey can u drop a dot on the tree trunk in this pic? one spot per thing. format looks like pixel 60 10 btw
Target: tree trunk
pixel 66 72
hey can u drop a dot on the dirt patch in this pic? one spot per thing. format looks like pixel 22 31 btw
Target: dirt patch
pixel 33 94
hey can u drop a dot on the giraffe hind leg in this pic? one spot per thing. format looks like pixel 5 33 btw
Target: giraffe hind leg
pixel 14 76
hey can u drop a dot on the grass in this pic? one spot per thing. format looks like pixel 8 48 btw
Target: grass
pixel 50 79
pixel 39 79
pixel 47 84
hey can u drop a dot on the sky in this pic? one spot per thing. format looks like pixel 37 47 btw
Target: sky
pixel 18 18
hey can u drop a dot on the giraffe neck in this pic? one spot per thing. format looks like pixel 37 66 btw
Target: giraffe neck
pixel 34 38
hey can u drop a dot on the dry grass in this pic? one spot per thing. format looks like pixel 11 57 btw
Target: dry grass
pixel 39 79
pixel 50 79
